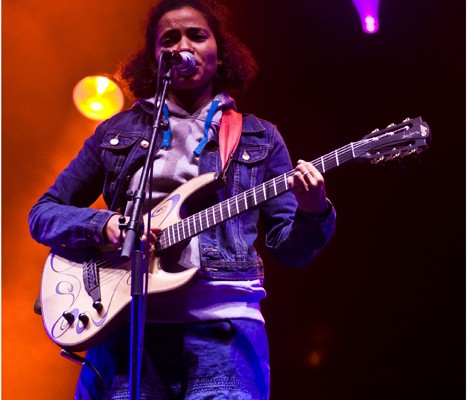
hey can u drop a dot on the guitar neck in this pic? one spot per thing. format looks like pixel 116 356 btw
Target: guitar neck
pixel 249 199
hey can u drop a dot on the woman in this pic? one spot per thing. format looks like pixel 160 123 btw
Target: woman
pixel 205 340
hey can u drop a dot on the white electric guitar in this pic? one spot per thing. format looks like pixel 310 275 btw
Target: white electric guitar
pixel 83 295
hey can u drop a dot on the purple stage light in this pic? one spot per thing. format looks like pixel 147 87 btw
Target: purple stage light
pixel 368 12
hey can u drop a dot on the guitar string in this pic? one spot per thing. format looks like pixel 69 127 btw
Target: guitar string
pixel 109 267
pixel 334 157
pixel 177 232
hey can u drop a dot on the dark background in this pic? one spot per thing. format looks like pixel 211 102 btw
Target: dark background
pixel 380 314
pixel 383 305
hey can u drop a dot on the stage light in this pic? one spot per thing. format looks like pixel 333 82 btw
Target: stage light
pixel 370 24
pixel 98 97
pixel 368 13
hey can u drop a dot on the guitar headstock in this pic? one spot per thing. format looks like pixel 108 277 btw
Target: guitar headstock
pixel 410 137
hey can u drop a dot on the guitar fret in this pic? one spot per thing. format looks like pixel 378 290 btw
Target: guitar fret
pixel 214 215
pixel 167 237
pixel 353 150
pixel 194 225
pixel 264 191
pixel 322 165
pixel 236 204
pixel 170 235
pixel 220 209
pixel 245 199
pixel 274 185
pixel 228 208
pixel 337 158
pixel 183 229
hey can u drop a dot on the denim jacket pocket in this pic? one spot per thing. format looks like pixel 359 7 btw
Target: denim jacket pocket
pixel 250 154
pixel 248 164
pixel 116 148
pixel 118 141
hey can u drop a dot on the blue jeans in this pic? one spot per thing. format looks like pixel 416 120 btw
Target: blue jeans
pixel 212 360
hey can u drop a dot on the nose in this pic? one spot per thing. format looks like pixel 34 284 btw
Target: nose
pixel 185 44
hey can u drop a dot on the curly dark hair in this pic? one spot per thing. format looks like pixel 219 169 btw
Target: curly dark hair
pixel 236 70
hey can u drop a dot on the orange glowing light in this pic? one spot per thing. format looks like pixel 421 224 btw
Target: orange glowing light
pixel 97 97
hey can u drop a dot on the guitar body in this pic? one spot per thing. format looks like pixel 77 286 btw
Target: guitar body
pixel 68 314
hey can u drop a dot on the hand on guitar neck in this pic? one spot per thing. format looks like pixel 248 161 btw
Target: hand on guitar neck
pixel 307 184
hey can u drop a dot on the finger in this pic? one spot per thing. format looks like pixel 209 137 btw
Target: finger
pixel 299 183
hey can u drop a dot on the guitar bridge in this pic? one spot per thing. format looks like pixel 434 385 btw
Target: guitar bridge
pixel 91 280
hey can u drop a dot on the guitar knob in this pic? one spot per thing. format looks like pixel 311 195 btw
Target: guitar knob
pixel 83 318
pixel 97 305
pixel 70 318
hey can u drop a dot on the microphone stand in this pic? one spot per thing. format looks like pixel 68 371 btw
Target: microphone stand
pixel 132 243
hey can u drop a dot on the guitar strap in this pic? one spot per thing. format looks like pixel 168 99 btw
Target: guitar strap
pixel 229 136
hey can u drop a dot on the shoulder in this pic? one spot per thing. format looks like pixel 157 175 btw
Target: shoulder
pixel 136 120
pixel 252 123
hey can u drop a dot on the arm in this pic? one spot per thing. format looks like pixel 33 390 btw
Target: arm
pixel 62 217
pixel 300 222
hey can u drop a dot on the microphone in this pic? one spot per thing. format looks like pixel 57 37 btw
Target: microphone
pixel 183 62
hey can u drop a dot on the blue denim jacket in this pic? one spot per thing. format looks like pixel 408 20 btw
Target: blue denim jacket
pixel 118 148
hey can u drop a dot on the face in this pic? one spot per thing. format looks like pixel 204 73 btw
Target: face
pixel 186 29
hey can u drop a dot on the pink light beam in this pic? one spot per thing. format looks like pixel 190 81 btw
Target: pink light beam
pixel 368 13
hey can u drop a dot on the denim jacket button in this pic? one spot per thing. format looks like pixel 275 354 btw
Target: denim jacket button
pixel 114 141
pixel 144 144
pixel 245 155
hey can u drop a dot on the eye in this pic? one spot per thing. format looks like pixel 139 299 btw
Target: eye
pixel 198 35
pixel 169 38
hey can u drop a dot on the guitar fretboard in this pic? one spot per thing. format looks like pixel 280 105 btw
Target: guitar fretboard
pixel 242 202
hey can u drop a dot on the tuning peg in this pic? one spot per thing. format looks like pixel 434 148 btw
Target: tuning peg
pixel 407 120
pixel 375 130
pixel 390 125
pixel 378 160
